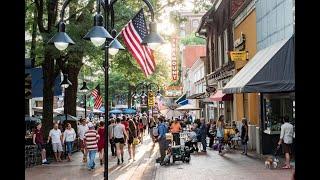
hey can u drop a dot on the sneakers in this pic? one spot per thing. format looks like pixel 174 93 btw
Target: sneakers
pixel 46 162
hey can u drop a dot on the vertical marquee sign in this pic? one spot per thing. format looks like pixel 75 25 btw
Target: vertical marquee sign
pixel 174 66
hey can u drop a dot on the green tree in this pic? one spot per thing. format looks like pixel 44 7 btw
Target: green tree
pixel 192 40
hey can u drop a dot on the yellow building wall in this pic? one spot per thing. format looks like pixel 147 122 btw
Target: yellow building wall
pixel 248 28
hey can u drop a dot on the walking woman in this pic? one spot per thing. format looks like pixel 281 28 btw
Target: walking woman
pixel 101 142
pixel 132 135
pixel 69 135
pixel 220 132
pixel 244 135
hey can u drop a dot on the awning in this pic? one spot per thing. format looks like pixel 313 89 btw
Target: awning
pixel 181 98
pixel 196 96
pixel 187 107
pixel 270 70
pixel 184 102
pixel 220 96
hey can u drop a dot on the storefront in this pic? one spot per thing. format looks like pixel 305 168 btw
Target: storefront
pixel 271 74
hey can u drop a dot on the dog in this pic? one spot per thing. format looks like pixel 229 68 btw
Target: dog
pixel 271 163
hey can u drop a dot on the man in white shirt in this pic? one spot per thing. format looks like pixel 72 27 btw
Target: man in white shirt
pixel 286 138
pixel 56 138
pixel 82 129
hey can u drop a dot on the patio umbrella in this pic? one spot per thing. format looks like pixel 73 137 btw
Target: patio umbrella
pixel 62 117
pixel 168 113
pixel 129 111
pixel 115 111
pixel 187 107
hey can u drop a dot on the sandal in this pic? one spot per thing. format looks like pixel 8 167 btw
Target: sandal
pixel 286 167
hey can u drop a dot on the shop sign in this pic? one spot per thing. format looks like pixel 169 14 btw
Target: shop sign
pixel 151 99
pixel 174 67
pixel 173 91
pixel 239 55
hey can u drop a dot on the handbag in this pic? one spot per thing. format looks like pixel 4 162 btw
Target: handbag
pixel 135 141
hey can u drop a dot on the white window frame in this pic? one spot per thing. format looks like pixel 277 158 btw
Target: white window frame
pixel 225 47
pixel 219 51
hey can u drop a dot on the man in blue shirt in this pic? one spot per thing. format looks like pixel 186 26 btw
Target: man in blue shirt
pixel 162 138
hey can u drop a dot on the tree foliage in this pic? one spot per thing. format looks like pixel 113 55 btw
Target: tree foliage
pixel 192 40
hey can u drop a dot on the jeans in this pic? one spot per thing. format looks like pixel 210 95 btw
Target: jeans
pixel 113 147
pixel 204 143
pixel 162 147
pixel 92 156
pixel 69 147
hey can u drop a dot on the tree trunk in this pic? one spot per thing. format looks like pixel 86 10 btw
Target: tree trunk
pixel 34 35
pixel 130 88
pixel 48 91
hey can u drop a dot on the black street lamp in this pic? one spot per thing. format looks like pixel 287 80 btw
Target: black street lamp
pixel 99 35
pixel 84 89
pixel 65 84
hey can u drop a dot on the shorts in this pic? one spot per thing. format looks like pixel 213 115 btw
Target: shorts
pixel 119 140
pixel 57 147
pixel 287 148
pixel 82 145
pixel 40 147
pixel 130 140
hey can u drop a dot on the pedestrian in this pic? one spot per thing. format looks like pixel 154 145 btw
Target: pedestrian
pixel 244 135
pixel 120 134
pixel 101 143
pixel 82 129
pixel 211 131
pixel 91 138
pixel 144 120
pixel 152 124
pixel 132 135
pixel 111 137
pixel 220 132
pixel 203 134
pixel 69 135
pixel 162 138
pixel 193 141
pixel 175 129
pixel 286 139
pixel 141 129
pixel 56 140
pixel 39 142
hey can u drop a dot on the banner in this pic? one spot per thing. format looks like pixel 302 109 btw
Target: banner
pixel 174 66
pixel 151 99
pixel 239 55
pixel 173 91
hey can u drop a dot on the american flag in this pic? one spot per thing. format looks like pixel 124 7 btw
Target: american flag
pixel 97 97
pixel 133 34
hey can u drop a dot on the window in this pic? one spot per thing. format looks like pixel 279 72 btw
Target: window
pixel 225 45
pixel 219 52
pixel 182 33
pixel 195 24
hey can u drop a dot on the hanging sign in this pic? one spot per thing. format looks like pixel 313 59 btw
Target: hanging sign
pixel 174 66
pixel 239 55
pixel 151 99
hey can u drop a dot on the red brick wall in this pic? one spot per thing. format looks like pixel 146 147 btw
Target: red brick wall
pixel 192 53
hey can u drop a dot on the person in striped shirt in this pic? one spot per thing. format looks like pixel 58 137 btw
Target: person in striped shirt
pixel 91 138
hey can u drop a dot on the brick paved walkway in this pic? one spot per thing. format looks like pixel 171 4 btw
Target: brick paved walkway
pixel 231 166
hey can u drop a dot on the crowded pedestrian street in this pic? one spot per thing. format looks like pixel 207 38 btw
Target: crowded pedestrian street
pixel 160 90
pixel 210 165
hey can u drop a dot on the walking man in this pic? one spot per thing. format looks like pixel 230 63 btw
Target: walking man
pixel 111 137
pixel 82 129
pixel 56 139
pixel 120 134
pixel 91 138
pixel 39 142
pixel 286 138
pixel 144 122
pixel 203 134
pixel 162 138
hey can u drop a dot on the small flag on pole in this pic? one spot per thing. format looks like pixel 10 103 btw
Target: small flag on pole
pixel 97 97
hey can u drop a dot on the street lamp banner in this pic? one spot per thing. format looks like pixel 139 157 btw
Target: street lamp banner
pixel 174 66
pixel 239 55
pixel 151 99
pixel 173 91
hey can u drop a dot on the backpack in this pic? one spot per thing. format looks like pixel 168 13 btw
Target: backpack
pixel 155 131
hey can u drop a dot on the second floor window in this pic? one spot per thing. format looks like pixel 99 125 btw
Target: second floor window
pixel 225 45
pixel 220 51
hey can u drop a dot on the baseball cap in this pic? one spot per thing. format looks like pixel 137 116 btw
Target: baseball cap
pixel 90 125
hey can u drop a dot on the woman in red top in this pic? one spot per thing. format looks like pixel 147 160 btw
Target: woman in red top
pixel 101 143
